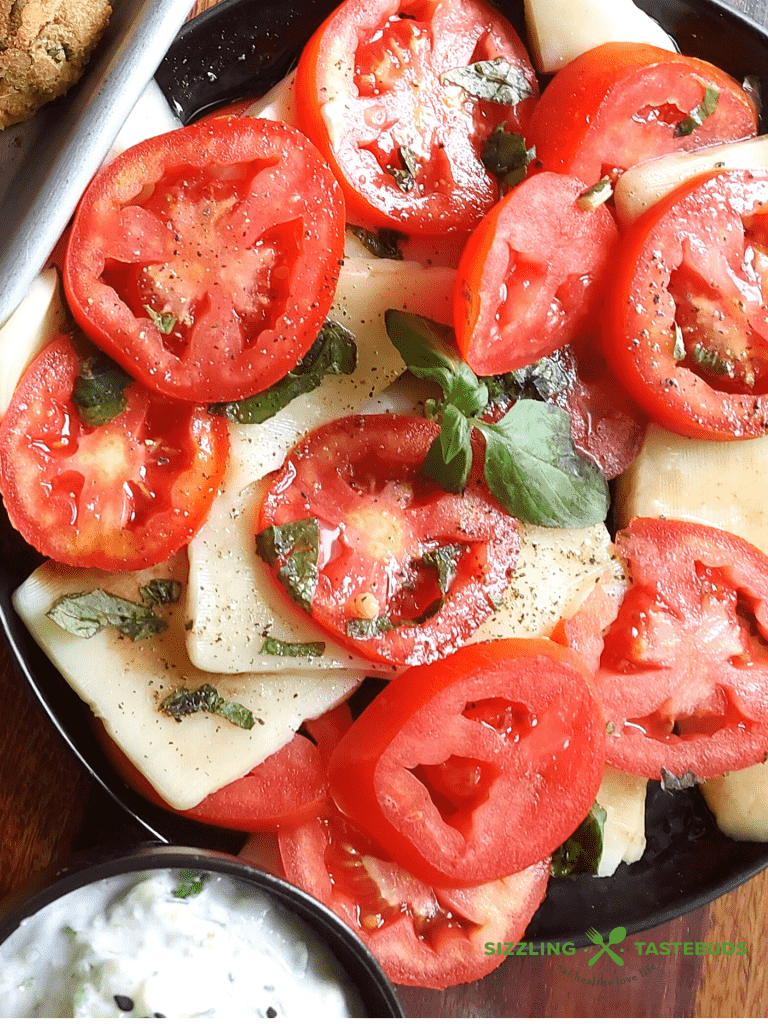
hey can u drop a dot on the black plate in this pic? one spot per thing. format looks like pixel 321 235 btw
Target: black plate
pixel 242 47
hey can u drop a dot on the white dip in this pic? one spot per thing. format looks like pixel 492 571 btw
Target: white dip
pixel 129 947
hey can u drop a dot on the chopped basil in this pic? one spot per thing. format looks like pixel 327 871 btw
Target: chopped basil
pixel 581 853
pixel 543 380
pixel 711 361
pixel 99 391
pixel 183 702
pixel 86 614
pixel 595 195
pixel 445 561
pixel 191 884
pixel 164 322
pixel 678 352
pixel 333 351
pixel 496 80
pixel 405 177
pixel 506 156
pixel 161 591
pixel 294 548
pixel 696 118
pixel 285 649
pixel 672 783
pixel 384 243
pixel 365 629
pixel 531 465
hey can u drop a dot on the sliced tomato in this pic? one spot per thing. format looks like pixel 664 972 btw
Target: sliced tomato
pixel 686 328
pixel 683 674
pixel 379 555
pixel 406 145
pixel 531 275
pixel 205 260
pixel 119 496
pixel 430 937
pixel 622 103
pixel 288 787
pixel 478 766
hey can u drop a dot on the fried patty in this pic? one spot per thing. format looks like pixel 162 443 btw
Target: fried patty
pixel 44 47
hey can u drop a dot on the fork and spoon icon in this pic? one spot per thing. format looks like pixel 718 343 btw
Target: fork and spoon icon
pixel 617 934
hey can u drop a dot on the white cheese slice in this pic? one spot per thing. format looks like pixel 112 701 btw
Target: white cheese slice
pixel 622 797
pixel 39 318
pixel 124 681
pixel 640 187
pixel 232 601
pixel 739 802
pixel 556 569
pixel 150 116
pixel 718 483
pixel 560 30
pixel 278 104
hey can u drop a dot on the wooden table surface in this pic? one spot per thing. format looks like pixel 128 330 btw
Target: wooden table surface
pixel 47 804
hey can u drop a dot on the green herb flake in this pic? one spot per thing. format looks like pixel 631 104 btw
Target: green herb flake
pixel 161 591
pixel 696 118
pixel 541 380
pixel 99 391
pixel 495 80
pixel 285 649
pixel 610 728
pixel 405 176
pixel 506 156
pixel 384 243
pixel 596 195
pixel 366 629
pixel 190 884
pixel 86 614
pixel 678 352
pixel 445 561
pixel 183 702
pixel 333 352
pixel 712 361
pixel 581 853
pixel 164 322
pixel 294 549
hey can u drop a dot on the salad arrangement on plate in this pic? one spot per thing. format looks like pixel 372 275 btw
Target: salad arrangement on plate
pixel 299 456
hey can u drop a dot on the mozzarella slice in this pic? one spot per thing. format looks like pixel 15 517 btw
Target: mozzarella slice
pixel 622 797
pixel 233 603
pixel 560 30
pixel 124 682
pixel 278 104
pixel 556 569
pixel 41 315
pixel 640 187
pixel 150 116
pixel 739 802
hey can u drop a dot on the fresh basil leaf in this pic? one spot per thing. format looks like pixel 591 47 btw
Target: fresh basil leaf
pixel 581 853
pixel 696 118
pixel 190 884
pixel 712 361
pixel 430 353
pixel 405 177
pixel 384 243
pixel 365 629
pixel 333 352
pixel 534 472
pixel 99 391
pixel 449 459
pixel 542 380
pixel 445 561
pixel 86 614
pixel 164 322
pixel 496 80
pixel 294 548
pixel 506 156
pixel 183 702
pixel 595 195
pixel 285 649
pixel 672 783
pixel 161 591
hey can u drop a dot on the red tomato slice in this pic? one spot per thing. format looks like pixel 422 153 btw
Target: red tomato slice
pixel 120 496
pixel 683 675
pixel 478 766
pixel 377 523
pixel 369 95
pixel 686 326
pixel 230 232
pixel 622 103
pixel 431 937
pixel 531 275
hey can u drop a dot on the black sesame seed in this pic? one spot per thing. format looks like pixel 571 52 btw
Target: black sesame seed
pixel 124 1003
pixel 271 1011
